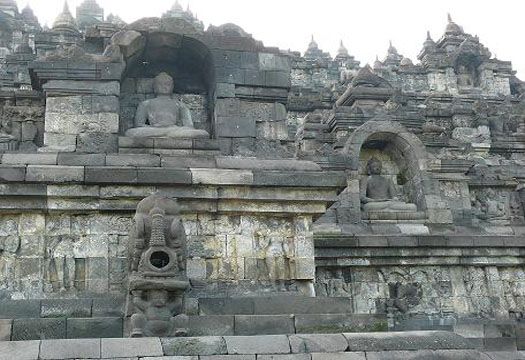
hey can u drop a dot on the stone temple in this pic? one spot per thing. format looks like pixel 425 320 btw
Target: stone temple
pixel 172 190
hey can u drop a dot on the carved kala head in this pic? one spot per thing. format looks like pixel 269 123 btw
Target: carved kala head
pixel 163 84
pixel 374 166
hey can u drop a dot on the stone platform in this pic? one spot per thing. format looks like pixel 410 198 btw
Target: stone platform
pixel 371 346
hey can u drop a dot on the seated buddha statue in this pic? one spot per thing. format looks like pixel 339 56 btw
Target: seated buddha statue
pixel 378 193
pixel 163 116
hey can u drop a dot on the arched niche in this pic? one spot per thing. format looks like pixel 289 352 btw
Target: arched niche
pixel 405 156
pixel 186 58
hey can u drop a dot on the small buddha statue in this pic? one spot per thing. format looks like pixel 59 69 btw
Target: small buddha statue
pixel 378 193
pixel 163 116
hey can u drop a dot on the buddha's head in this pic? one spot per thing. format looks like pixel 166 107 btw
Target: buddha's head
pixel 374 166
pixel 163 84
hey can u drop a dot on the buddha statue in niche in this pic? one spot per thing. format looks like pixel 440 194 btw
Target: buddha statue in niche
pixel 163 116
pixel 378 193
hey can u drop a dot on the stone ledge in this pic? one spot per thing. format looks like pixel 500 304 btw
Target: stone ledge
pixel 433 344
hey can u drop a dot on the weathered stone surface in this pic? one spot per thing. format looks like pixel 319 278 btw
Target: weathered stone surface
pixel 36 329
pixel 66 308
pixel 116 348
pixel 18 309
pixel 5 329
pixel 52 174
pixel 92 328
pixel 26 350
pixel 33 159
pixel 270 344
pixel 411 340
pixel 221 177
pixel 211 325
pixel 264 324
pixel 75 159
pixel 332 323
pixel 70 349
pixel 211 345
pixel 318 343
pixel 285 357
pixel 339 356
pixel 12 173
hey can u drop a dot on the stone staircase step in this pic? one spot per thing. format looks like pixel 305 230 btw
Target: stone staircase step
pixel 403 346
pixel 224 325
pixel 277 305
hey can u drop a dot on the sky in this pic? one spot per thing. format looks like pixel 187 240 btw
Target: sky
pixel 365 27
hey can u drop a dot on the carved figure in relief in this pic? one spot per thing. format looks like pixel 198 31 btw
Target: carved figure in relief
pixel 378 193
pixel 164 116
pixel 158 270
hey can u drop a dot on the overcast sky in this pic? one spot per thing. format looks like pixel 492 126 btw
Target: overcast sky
pixel 364 26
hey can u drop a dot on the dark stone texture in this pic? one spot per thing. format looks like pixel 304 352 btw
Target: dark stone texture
pixel 19 309
pixel 12 174
pixel 69 308
pixel 109 175
pixel 333 323
pixel 264 324
pixel 94 328
pixel 163 176
pixel 210 325
pixel 226 306
pixel 194 346
pixel 38 329
pixel 108 307
pixel 78 159
pixel 235 127
pixel 97 143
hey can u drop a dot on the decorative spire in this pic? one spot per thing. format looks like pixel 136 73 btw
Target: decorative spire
pixel 428 35
pixel 453 28
pixel 342 49
pixel 176 6
pixel 65 23
pixel 391 49
pixel 377 64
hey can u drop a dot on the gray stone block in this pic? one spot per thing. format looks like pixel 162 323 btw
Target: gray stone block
pixel 410 340
pixel 285 357
pixel 109 306
pixel 334 323
pixel 23 350
pixel 139 347
pixel 12 173
pixel 19 309
pixel 55 174
pixel 229 75
pixel 33 159
pixel 93 328
pixel 269 344
pixel 298 178
pixel 5 329
pixel 264 324
pixel 76 159
pixel 191 346
pixel 38 329
pixel 224 90
pixel 427 354
pixel 97 143
pixel 221 177
pixel 228 357
pixel 70 349
pixel 211 325
pixel 137 160
pixel 500 344
pixel 110 175
pixel 101 104
pixel 188 162
pixel 170 358
pixel 235 127
pixel 280 79
pixel 163 176
pixel 69 308
pixel 228 162
pixel 318 343
pixel 339 356
pixel 301 305
pixel 226 306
